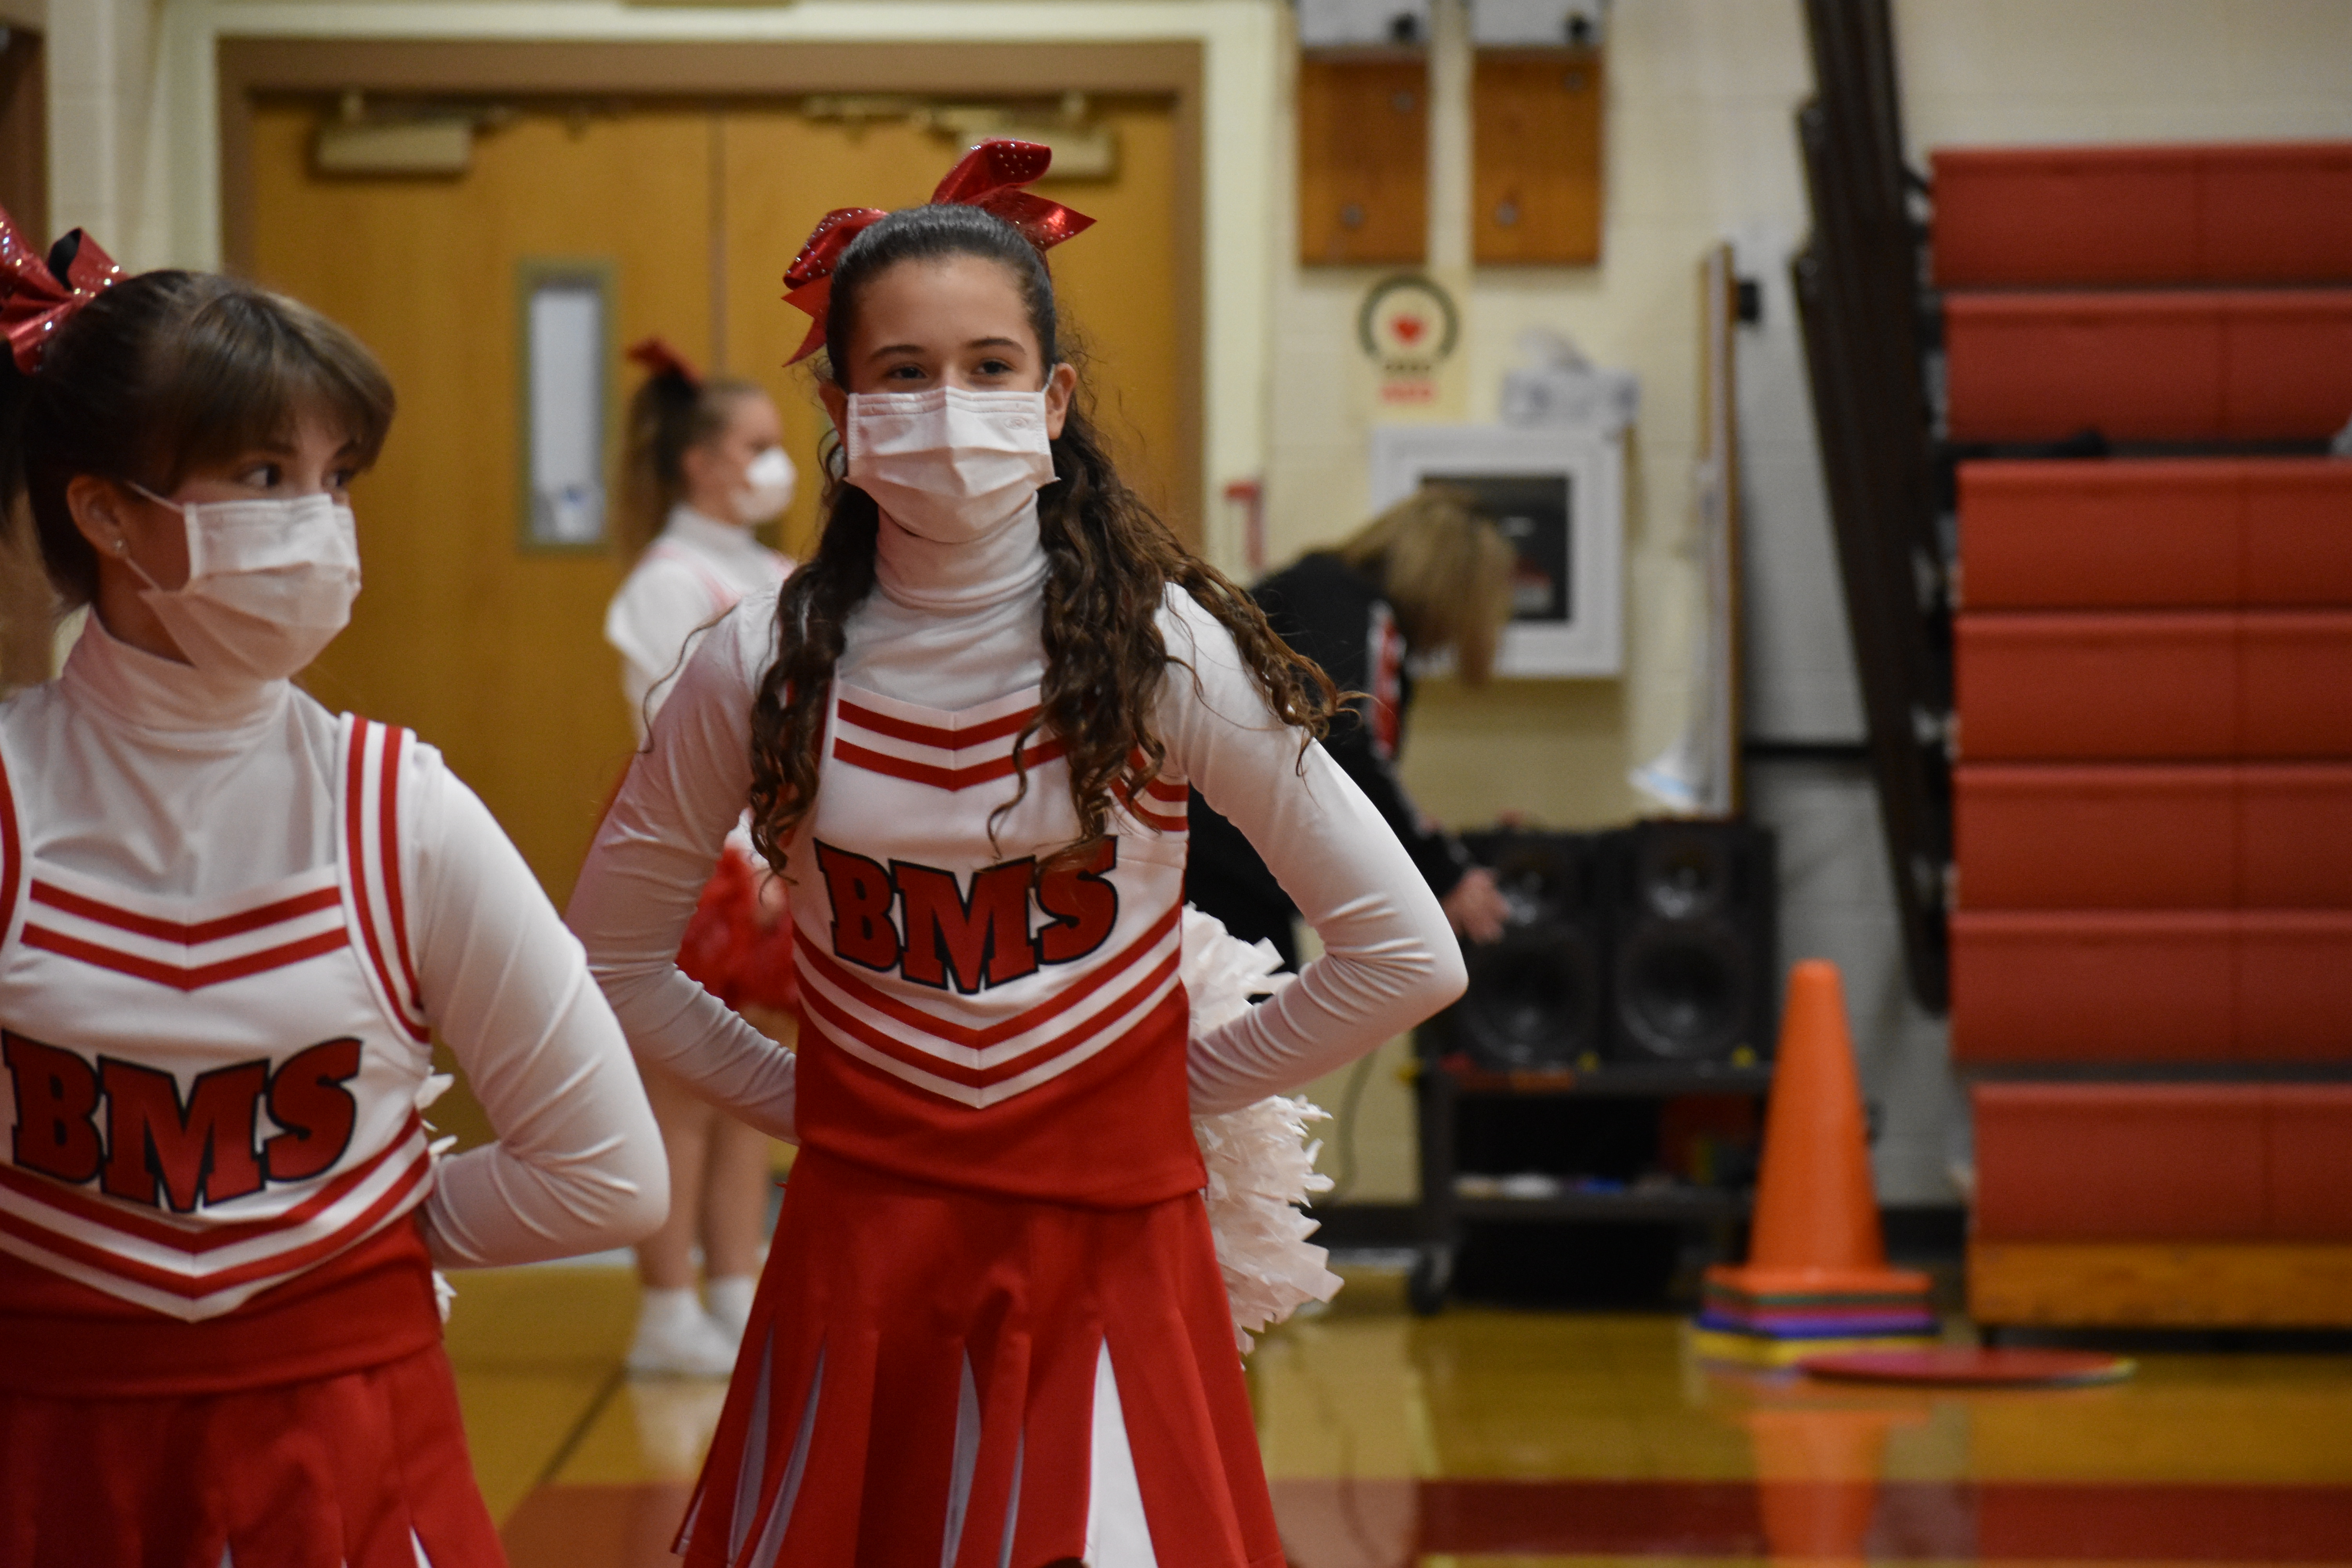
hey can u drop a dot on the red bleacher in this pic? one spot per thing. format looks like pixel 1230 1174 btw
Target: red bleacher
pixel 2238 364
pixel 2135 986
pixel 2156 685
pixel 2182 533
pixel 2152 796
pixel 2116 216
pixel 2138 836
pixel 2165 1162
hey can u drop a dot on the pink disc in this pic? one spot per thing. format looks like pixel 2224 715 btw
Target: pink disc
pixel 1972 1368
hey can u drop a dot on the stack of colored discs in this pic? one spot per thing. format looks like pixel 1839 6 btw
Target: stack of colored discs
pixel 1776 1317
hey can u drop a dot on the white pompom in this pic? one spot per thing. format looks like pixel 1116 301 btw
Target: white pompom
pixel 1222 972
pixel 1260 1166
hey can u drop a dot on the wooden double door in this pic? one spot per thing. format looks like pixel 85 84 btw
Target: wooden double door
pixel 493 650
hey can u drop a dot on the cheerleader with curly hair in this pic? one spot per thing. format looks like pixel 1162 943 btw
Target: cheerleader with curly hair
pixel 992 1328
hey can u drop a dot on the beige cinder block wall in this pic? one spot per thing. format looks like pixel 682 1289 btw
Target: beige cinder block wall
pixel 1700 146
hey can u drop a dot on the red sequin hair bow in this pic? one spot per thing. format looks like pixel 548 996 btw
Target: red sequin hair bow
pixel 35 301
pixel 660 359
pixel 990 178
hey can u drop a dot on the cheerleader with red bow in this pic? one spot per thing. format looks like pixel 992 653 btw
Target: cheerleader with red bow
pixel 992 1329
pixel 231 925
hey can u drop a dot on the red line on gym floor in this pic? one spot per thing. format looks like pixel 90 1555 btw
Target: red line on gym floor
pixel 1391 1524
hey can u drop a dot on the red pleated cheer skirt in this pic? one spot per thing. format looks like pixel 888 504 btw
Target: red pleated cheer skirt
pixel 738 946
pixel 933 1375
pixel 367 1469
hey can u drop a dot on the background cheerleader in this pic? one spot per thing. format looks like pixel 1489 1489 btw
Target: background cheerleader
pixel 705 465
pixel 231 924
pixel 992 1328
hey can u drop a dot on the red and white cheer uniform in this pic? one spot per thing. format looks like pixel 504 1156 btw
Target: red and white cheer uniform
pixel 231 923
pixel 992 1329
pixel 696 571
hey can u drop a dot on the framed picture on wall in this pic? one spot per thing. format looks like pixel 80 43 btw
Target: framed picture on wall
pixel 1558 494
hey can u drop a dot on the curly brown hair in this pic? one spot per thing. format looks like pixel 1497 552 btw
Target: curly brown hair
pixel 1110 559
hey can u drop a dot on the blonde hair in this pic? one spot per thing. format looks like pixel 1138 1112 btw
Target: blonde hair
pixel 1446 570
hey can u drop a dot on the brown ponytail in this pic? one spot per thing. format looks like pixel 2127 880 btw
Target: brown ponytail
pixel 674 412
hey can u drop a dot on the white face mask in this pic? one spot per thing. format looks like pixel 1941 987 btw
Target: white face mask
pixel 948 465
pixel 269 583
pixel 767 488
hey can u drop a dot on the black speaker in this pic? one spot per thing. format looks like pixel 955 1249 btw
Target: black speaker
pixel 1537 998
pixel 1693 967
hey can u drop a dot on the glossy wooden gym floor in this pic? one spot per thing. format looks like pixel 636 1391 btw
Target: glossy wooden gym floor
pixel 1506 1439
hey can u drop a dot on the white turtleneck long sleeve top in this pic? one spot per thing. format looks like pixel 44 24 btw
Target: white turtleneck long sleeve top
pixel 153 776
pixel 696 571
pixel 950 626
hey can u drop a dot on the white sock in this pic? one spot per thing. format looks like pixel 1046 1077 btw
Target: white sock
pixel 729 1296
pixel 666 1311
pixel 676 1337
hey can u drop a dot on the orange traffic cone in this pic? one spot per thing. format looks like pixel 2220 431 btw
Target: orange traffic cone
pixel 1816 1279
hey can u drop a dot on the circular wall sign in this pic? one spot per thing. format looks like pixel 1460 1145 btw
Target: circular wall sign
pixel 1408 322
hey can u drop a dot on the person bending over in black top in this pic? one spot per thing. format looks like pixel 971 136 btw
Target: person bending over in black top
pixel 1426 575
